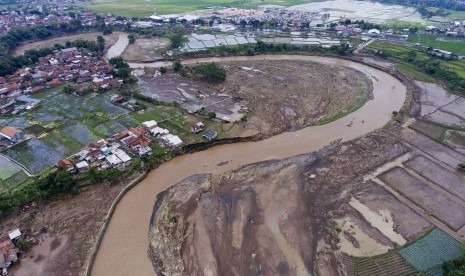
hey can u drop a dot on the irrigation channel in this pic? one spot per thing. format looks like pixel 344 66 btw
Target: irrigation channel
pixel 123 250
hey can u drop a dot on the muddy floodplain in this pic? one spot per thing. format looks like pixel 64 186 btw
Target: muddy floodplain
pixel 272 96
pixel 276 216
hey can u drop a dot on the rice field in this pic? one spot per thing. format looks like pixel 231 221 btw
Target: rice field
pixel 7 168
pixel 34 154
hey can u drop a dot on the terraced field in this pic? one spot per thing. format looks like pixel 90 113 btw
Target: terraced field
pixel 387 264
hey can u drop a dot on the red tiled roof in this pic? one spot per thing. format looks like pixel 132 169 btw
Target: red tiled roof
pixel 9 131
pixel 65 164
pixel 5 244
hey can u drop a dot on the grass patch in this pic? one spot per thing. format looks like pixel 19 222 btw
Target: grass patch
pixel 360 100
pixel 432 130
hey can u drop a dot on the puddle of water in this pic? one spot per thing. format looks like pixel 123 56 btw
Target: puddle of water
pixel 382 221
pixel 367 246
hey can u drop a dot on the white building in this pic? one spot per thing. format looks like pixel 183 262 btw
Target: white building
pixel 172 140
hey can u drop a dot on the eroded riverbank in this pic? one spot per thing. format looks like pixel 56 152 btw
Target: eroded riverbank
pixel 124 247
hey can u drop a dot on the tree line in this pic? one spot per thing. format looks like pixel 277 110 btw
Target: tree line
pixel 56 183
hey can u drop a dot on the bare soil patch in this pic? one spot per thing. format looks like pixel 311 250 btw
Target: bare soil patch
pixel 453 182
pixel 273 217
pixel 62 231
pixel 109 41
pixel 273 95
pixel 145 49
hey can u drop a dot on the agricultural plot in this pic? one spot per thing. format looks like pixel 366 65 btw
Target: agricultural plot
pixel 34 154
pixel 454 183
pixel 432 130
pixel 386 264
pixel 426 197
pixel 7 168
pixel 80 133
pixel 61 143
pixel 61 107
pixel 13 182
pixel 430 252
pixel 109 128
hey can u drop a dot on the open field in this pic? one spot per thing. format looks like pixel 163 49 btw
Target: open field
pixel 141 8
pixel 145 49
pixel 268 95
pixel 447 43
pixel 109 40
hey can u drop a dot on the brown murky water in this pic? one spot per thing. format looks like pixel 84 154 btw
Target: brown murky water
pixel 124 248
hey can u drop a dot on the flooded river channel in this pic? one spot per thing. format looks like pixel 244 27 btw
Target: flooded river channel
pixel 124 247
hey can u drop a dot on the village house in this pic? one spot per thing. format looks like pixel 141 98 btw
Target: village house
pixel 198 127
pixel 12 134
pixel 8 250
pixel 65 164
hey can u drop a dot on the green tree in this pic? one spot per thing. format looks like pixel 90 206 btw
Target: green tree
pixel 176 39
pixel 132 38
pixel 101 43
pixel 211 72
pixel 68 89
pixel 22 244
pixel 177 65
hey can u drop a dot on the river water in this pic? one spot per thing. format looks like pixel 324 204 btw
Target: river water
pixel 124 247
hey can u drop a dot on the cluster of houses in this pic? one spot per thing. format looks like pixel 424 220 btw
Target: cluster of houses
pixel 47 15
pixel 281 17
pixel 455 28
pixel 8 250
pixel 70 64
pixel 115 152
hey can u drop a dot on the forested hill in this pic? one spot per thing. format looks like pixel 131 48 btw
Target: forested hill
pixel 457 5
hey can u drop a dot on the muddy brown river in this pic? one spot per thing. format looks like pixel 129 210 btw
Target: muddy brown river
pixel 124 247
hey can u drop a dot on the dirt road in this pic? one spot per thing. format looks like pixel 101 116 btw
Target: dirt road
pixel 124 247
